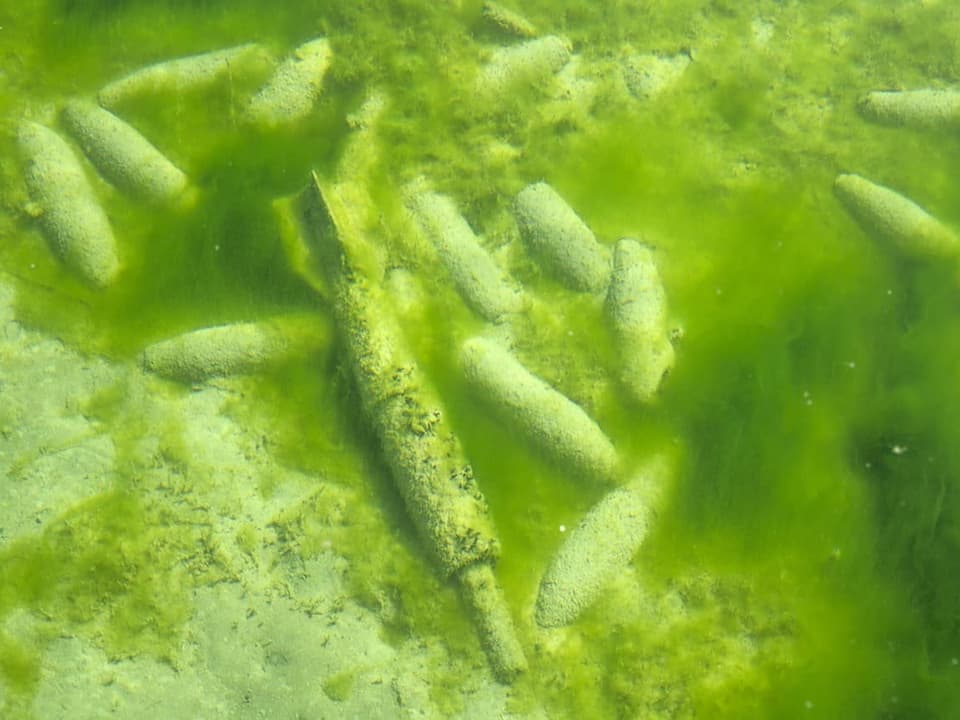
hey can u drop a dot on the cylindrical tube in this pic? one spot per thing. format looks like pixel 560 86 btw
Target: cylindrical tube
pixel 492 617
pixel 425 458
pixel 124 156
pixel 186 73
pixel 557 235
pixel 292 91
pixel 601 545
pixel 555 424
pixel 925 108
pixel 234 349
pixel 472 270
pixel 526 63
pixel 69 214
pixel 894 218
pixel 508 21
pixel 636 308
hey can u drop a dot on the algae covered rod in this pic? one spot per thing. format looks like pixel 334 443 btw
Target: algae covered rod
pixel 425 458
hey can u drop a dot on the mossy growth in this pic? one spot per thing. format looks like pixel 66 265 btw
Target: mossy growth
pixel 104 570
pixel 814 389
pixel 337 687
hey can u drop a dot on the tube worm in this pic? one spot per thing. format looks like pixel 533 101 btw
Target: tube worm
pixel 894 218
pixel 292 91
pixel 526 63
pixel 186 73
pixel 636 309
pixel 234 349
pixel 473 272
pixel 124 157
pixel 925 108
pixel 68 212
pixel 555 424
pixel 556 234
pixel 601 545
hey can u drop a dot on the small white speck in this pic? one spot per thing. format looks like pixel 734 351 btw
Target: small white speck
pixel 898 449
pixel 851 364
pixel 33 266
pixel 889 292
pixel 807 398
pixel 868 465
pixel 719 291
pixel 954 661
pixel 808 704
pixel 563 528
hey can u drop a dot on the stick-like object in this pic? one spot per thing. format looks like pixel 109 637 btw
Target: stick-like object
pixel 425 458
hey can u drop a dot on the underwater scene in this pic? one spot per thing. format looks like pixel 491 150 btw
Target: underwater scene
pixel 464 359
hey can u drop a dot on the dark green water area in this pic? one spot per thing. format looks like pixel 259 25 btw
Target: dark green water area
pixel 814 404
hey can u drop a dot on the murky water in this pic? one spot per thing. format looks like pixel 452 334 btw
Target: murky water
pixel 804 566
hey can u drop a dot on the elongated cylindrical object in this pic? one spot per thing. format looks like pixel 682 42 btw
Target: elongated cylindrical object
pixel 925 108
pixel 557 235
pixel 187 73
pixel 492 617
pixel 71 218
pixel 601 545
pixel 526 63
pixel 555 424
pixel 894 218
pixel 636 308
pixel 234 349
pixel 507 20
pixel 425 458
pixel 125 157
pixel 474 273
pixel 290 94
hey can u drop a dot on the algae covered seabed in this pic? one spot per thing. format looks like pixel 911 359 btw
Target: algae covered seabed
pixel 236 548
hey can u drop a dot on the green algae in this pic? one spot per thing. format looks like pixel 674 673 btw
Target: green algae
pixel 809 358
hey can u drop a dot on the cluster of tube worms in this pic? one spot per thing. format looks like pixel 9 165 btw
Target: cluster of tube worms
pixel 335 220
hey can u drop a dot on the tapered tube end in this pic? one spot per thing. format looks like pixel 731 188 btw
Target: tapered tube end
pixel 492 619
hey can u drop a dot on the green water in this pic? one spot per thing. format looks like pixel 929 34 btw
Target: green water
pixel 814 399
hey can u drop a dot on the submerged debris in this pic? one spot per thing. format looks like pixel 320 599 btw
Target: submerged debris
pixel 426 460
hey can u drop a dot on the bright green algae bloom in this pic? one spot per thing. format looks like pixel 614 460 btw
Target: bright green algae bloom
pixel 806 566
